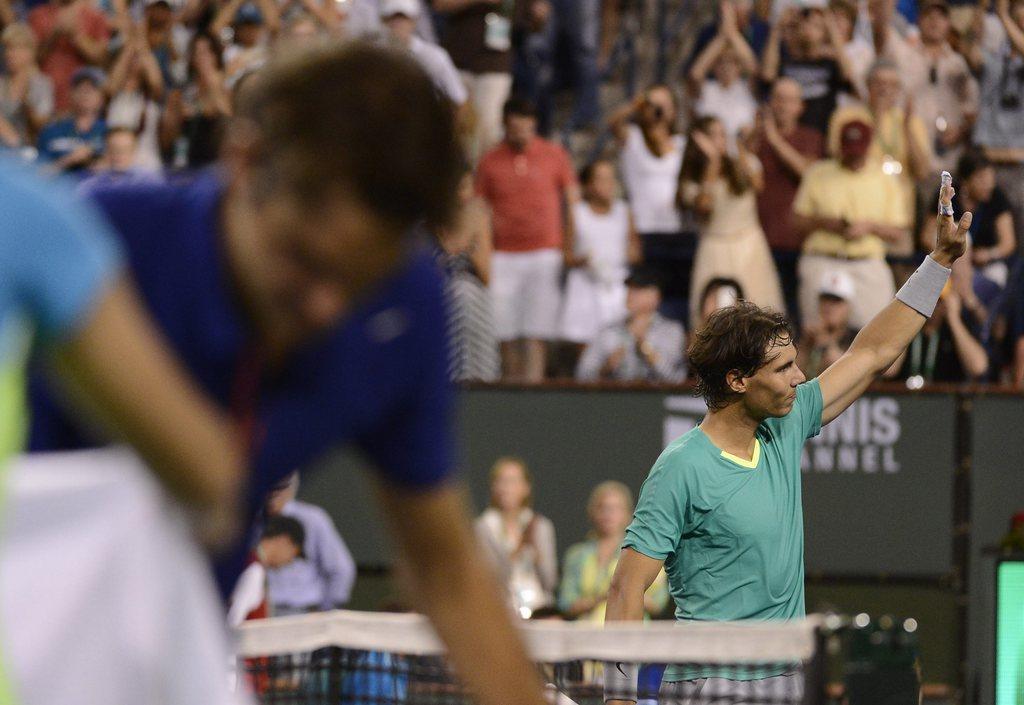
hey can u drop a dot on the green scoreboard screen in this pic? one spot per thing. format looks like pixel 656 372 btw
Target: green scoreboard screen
pixel 1010 633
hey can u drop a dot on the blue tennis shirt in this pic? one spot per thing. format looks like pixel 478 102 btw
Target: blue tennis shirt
pixel 378 379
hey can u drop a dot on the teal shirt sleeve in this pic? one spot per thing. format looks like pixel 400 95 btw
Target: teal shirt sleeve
pixel 808 407
pixel 657 525
pixel 59 253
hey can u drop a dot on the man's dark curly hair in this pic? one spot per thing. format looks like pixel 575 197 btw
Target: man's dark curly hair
pixel 736 338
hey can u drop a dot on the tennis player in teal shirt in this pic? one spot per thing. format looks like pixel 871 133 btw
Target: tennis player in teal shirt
pixel 721 509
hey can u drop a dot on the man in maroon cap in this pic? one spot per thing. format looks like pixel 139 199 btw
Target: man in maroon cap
pixel 847 210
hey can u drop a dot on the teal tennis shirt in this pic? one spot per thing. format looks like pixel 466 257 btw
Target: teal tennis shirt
pixel 730 530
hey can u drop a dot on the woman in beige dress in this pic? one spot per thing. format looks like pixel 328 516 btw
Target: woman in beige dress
pixel 721 190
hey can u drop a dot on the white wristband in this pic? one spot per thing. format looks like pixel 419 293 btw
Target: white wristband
pixel 620 680
pixel 922 290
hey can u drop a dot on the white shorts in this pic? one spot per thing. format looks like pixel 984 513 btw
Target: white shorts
pixel 527 295
pixel 104 597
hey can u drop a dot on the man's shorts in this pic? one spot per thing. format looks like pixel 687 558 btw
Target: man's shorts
pixel 787 688
pixel 527 294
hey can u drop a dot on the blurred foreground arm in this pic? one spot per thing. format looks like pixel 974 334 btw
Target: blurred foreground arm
pixel 116 365
pixel 455 588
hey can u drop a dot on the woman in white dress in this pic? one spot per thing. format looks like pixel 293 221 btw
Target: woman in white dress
pixel 605 245
pixel 520 541
pixel 721 190
pixel 650 155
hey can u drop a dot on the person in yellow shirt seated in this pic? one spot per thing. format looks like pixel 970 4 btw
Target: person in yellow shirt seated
pixel 848 212
pixel 589 565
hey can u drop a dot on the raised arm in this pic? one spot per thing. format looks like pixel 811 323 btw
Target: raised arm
pixel 453 586
pixel 882 340
pixel 1013 31
pixel 144 395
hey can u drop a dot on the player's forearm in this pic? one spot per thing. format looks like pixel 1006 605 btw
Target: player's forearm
pixel 887 335
pixel 451 583
pixel 120 370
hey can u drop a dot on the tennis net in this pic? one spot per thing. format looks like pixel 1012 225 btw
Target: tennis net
pixel 358 658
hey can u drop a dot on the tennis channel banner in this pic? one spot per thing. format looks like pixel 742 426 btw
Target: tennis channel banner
pixel 878 481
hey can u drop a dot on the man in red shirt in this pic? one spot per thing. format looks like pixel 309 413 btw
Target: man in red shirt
pixel 786 149
pixel 530 186
pixel 71 34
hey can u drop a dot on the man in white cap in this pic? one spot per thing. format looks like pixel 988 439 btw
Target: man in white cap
pixel 824 342
pixel 399 18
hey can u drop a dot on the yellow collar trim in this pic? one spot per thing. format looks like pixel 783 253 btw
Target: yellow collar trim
pixel 752 463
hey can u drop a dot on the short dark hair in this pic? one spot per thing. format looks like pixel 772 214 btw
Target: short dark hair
pixel 362 116
pixel 971 162
pixel 289 527
pixel 519 105
pixel 734 339
pixel 587 172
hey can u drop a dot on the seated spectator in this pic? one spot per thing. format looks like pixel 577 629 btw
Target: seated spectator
pixel 589 565
pixel 530 186
pixel 646 347
pixel 824 342
pixel 136 90
pixel 992 231
pixel 119 163
pixel 900 143
pixel 720 292
pixel 292 583
pixel 26 93
pixel 947 101
pixel 254 25
pixel 72 34
pixel 519 540
pixel 399 19
pixel 194 115
pixel 726 95
pixel 1000 126
pixel 805 45
pixel 786 150
pixel 947 349
pixel 464 250
pixel 73 144
pixel 849 234
pixel 650 156
pixel 722 191
pixel 333 569
pixel 605 246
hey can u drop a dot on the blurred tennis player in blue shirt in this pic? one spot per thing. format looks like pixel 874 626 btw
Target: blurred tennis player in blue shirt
pixel 290 285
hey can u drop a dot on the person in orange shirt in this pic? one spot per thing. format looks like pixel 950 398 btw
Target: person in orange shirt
pixel 530 185
pixel 71 34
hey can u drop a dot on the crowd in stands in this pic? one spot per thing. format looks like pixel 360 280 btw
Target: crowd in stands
pixel 792 159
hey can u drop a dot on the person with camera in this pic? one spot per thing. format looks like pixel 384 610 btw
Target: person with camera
pixel 650 156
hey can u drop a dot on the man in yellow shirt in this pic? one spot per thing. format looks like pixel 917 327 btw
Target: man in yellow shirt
pixel 900 145
pixel 848 212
